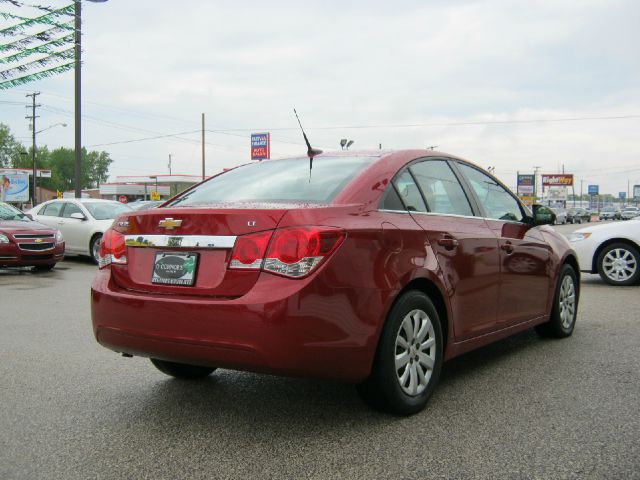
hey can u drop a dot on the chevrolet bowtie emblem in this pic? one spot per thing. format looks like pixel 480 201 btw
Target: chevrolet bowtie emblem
pixel 38 240
pixel 169 223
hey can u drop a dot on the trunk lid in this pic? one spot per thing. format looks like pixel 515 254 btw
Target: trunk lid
pixel 208 232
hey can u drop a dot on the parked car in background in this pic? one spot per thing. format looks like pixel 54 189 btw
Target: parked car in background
pixel 629 212
pixel 610 213
pixel 25 243
pixel 81 221
pixel 578 215
pixel 145 204
pixel 611 250
pixel 370 267
pixel 561 216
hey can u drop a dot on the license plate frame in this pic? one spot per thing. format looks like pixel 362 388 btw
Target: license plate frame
pixel 175 269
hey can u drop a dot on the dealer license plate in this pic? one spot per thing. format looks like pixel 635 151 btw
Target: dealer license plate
pixel 172 268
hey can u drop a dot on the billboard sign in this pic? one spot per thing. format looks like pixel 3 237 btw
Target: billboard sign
pixel 525 184
pixel 557 179
pixel 593 189
pixel 636 192
pixel 260 146
pixel 14 188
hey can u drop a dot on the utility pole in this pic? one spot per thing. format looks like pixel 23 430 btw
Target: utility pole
pixel 78 97
pixel 33 117
pixel 203 146
pixel 536 169
pixel 169 164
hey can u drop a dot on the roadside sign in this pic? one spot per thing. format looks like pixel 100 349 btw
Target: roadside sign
pixel 525 184
pixel 260 146
pixel 636 192
pixel 155 195
pixel 58 194
pixel 122 199
pixel 593 189
pixel 14 188
pixel 622 195
pixel 557 179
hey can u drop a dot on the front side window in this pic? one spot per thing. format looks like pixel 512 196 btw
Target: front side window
pixel 288 180
pixel 441 188
pixel 52 209
pixel 496 201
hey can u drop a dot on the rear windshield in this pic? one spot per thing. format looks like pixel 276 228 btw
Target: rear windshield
pixel 286 180
pixel 106 211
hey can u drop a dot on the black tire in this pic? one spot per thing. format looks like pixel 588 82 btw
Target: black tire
pixel 182 370
pixel 94 247
pixel 565 306
pixel 44 268
pixel 628 271
pixel 385 388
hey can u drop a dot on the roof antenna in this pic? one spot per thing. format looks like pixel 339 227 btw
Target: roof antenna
pixel 311 152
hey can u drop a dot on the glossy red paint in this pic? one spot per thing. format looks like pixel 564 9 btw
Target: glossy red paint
pixel 30 244
pixel 494 279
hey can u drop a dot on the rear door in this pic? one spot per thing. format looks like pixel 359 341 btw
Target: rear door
pixel 466 249
pixel 524 254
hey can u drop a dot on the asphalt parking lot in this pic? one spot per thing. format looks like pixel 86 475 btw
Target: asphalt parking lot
pixel 521 408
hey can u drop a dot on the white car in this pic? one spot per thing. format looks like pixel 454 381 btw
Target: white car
pixel 81 221
pixel 611 249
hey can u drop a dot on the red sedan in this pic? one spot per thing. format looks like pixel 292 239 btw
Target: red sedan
pixel 25 243
pixel 370 267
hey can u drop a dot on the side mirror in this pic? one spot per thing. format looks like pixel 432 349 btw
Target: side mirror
pixel 78 216
pixel 542 216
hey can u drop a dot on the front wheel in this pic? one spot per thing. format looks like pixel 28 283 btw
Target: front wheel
pixel 182 370
pixel 618 264
pixel 409 357
pixel 565 306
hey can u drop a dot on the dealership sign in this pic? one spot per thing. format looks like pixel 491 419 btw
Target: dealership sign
pixel 260 146
pixel 594 189
pixel 636 191
pixel 525 184
pixel 557 180
pixel 14 188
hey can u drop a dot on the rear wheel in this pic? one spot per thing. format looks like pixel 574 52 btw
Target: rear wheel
pixel 565 306
pixel 94 247
pixel 409 357
pixel 618 264
pixel 182 370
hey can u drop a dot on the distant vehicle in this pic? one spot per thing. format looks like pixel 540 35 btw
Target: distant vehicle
pixel 561 216
pixel 610 213
pixel 578 215
pixel 145 204
pixel 81 221
pixel 612 250
pixel 25 243
pixel 629 213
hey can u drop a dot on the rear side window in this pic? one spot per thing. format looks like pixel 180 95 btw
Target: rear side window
pixel 409 192
pixel 71 208
pixel 279 181
pixel 441 188
pixel 496 201
pixel 52 210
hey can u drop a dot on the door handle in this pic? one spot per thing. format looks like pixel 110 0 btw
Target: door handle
pixel 448 242
pixel 507 247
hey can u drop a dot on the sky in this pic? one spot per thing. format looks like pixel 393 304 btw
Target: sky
pixel 508 84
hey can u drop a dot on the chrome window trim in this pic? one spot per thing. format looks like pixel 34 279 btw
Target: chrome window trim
pixel 452 215
pixel 181 241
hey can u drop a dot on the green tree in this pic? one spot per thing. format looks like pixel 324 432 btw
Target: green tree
pixel 10 148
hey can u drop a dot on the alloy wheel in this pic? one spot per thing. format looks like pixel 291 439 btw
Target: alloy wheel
pixel 619 264
pixel 567 302
pixel 415 352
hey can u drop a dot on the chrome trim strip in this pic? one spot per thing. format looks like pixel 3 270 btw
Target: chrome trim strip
pixel 451 215
pixel 181 241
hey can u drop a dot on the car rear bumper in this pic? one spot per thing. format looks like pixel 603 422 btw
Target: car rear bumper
pixel 12 256
pixel 282 326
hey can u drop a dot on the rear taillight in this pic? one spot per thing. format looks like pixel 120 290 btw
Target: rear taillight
pixel 112 249
pixel 248 251
pixel 293 252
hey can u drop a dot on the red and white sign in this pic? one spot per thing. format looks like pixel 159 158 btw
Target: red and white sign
pixel 557 179
pixel 122 199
